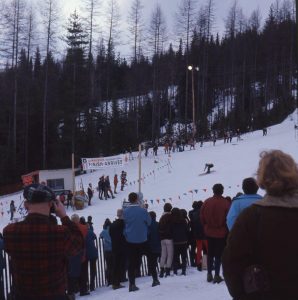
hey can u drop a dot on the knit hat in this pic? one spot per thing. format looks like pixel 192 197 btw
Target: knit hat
pixel 38 193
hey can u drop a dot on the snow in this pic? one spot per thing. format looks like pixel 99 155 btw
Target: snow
pixel 180 182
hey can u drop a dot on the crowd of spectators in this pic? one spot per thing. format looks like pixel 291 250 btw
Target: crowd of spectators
pixel 51 261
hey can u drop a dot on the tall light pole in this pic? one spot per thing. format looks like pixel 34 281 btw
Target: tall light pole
pixel 191 68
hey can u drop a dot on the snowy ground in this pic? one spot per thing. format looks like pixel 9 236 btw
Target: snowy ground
pixel 180 184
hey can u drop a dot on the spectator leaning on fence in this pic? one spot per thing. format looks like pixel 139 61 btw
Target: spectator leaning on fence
pixel 118 251
pixel 107 248
pixel 91 255
pixel 39 248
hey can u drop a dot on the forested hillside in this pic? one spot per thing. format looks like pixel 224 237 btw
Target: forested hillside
pixel 52 105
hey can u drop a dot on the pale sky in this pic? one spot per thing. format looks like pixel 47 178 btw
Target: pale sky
pixel 170 7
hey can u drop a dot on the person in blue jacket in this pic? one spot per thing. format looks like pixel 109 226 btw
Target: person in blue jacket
pixel 107 248
pixel 250 196
pixel 136 220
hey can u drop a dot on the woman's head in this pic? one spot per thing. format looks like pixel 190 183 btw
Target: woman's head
pixel 277 173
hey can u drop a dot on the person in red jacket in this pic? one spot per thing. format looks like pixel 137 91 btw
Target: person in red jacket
pixel 115 183
pixel 213 215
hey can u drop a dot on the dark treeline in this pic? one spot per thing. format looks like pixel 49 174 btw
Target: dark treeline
pixel 101 104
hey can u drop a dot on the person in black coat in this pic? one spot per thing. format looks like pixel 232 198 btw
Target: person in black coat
pixel 198 234
pixel 154 248
pixel 90 193
pixel 108 187
pixel 101 187
pixel 180 239
pixel 192 240
pixel 118 250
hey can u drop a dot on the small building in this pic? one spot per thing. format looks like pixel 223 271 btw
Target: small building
pixel 55 179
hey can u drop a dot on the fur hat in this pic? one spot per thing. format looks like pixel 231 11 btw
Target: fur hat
pixel 38 193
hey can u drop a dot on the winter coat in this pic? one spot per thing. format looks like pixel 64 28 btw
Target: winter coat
pixel 90 192
pixel 74 265
pixel 123 178
pixel 196 225
pixel 213 215
pixel 107 243
pixel 100 185
pixel 180 232
pixel 265 234
pixel 84 230
pixel 154 238
pixel 91 250
pixel 12 207
pixel 165 226
pixel 238 205
pixel 107 183
pixel 137 221
pixel 116 231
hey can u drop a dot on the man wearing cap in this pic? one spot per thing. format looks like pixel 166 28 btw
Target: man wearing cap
pixel 39 249
pixel 137 221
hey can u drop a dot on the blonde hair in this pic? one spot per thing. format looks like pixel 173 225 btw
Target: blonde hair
pixel 277 173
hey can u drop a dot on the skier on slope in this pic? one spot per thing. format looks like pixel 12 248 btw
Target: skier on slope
pixel 208 166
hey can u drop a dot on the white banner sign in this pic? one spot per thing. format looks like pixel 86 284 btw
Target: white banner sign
pixel 103 162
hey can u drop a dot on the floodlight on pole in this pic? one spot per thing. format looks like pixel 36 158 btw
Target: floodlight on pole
pixel 191 68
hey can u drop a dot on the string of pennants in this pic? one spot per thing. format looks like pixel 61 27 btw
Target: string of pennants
pixel 151 173
pixel 190 192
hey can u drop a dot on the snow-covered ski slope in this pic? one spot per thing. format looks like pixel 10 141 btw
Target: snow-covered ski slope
pixel 180 184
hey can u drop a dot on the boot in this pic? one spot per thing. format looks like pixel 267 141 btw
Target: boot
pixel 155 282
pixel 133 288
pixel 168 272
pixel 117 286
pixel 209 277
pixel 162 272
pixel 71 297
pixel 217 279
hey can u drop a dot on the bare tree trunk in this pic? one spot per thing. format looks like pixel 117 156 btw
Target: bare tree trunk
pixel 29 41
pixel 50 20
pixel 15 93
pixel 185 25
pixel 157 35
pixel 135 28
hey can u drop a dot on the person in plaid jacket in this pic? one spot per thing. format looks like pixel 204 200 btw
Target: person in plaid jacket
pixel 39 249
